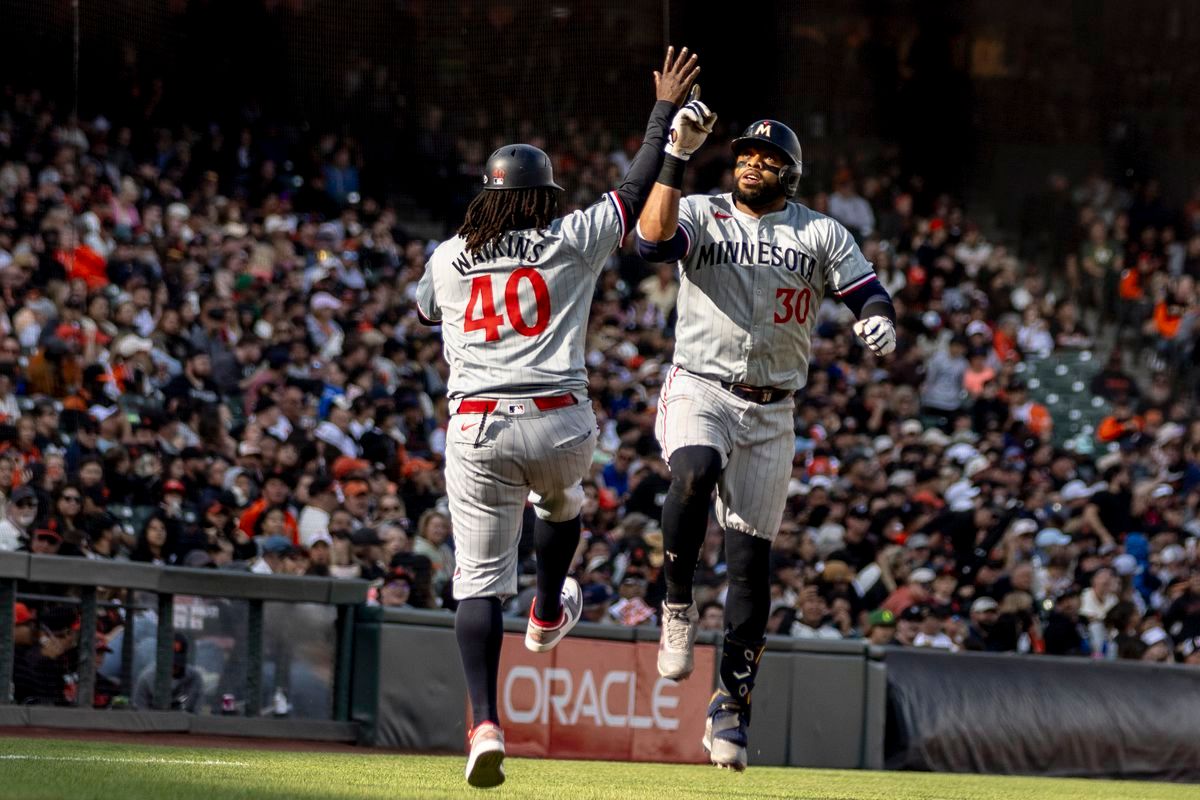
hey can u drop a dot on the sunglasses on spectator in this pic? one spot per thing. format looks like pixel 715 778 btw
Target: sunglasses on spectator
pixel 27 504
pixel 72 498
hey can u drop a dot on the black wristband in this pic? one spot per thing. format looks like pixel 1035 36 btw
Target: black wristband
pixel 671 173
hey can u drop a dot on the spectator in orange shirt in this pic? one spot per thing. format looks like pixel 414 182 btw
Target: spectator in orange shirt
pixel 81 261
pixel 978 373
pixel 1167 316
pixel 1121 423
pixel 275 495
pixel 1034 415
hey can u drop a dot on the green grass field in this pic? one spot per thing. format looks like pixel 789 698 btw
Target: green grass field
pixel 42 769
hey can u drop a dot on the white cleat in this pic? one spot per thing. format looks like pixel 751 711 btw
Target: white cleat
pixel 722 753
pixel 485 764
pixel 725 736
pixel 675 660
pixel 540 637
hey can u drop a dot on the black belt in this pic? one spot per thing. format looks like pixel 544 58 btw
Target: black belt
pixel 763 395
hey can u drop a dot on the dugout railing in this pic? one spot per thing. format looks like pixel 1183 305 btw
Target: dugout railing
pixel 81 578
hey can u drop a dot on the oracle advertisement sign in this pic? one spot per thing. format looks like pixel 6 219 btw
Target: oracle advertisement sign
pixel 590 698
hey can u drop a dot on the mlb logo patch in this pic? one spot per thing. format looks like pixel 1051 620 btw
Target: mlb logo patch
pixel 498 176
pixel 516 408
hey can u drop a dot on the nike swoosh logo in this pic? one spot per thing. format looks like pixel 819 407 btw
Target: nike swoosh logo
pixel 719 215
pixel 466 427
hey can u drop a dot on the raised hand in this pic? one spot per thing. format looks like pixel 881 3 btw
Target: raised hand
pixel 678 74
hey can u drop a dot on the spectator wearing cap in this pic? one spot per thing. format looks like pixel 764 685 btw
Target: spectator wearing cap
pixel 396 589
pixel 323 329
pixel 271 553
pixel 908 625
pixel 881 627
pixel 1019 542
pixel 1188 652
pixel 1158 645
pixel 1109 511
pixel 39 678
pixel 1182 618
pixel 24 629
pixel 356 499
pixel 596 600
pixel 631 608
pixel 105 689
pixel 187 683
pixel 368 554
pixel 1120 425
pixel 433 542
pixel 314 517
pixel 857 550
pixel 276 492
pixel 983 633
pixel 320 556
pixel 931 629
pixel 1065 632
pixel 335 430
pixel 46 542
pixel 915 591
pixel 19 516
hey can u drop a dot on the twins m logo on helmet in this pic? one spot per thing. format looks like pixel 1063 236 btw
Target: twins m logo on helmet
pixel 763 129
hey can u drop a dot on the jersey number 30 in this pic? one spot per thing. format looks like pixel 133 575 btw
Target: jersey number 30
pixel 490 322
pixel 795 305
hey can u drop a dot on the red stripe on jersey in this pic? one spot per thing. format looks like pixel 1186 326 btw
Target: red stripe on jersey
pixel 616 201
pixel 858 283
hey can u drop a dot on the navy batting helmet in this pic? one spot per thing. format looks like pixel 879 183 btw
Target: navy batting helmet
pixel 783 139
pixel 518 166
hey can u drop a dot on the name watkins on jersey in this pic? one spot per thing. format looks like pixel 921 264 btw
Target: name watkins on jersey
pixel 511 246
pixel 757 253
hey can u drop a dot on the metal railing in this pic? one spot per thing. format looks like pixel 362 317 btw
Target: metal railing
pixel 166 583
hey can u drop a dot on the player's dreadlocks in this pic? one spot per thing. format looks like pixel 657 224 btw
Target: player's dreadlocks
pixel 492 214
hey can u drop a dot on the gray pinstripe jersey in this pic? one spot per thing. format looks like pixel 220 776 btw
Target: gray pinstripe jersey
pixel 750 288
pixel 514 318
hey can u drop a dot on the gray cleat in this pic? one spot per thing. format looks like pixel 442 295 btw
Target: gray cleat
pixel 675 660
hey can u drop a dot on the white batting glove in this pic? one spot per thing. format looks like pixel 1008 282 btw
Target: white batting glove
pixel 690 127
pixel 877 333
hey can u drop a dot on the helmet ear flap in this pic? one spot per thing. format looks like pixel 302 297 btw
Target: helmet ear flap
pixel 789 179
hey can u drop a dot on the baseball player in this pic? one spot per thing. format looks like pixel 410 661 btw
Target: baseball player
pixel 753 268
pixel 512 292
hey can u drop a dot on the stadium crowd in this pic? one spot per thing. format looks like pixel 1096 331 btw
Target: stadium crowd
pixel 210 357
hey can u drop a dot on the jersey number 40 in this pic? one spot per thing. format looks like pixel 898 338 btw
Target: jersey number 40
pixel 490 322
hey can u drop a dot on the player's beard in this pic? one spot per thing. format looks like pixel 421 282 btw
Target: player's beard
pixel 760 196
